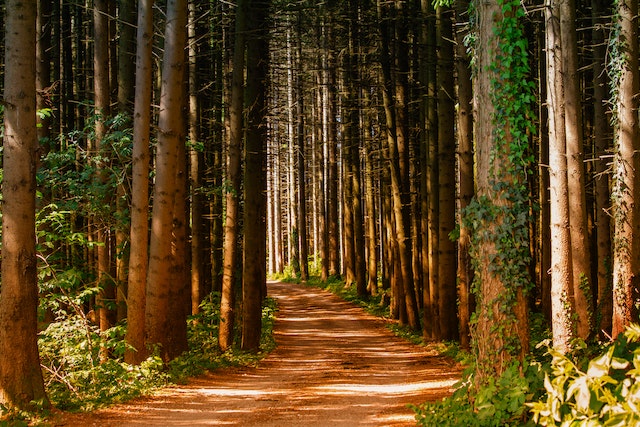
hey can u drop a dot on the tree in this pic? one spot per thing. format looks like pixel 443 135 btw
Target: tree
pixel 233 189
pixel 21 382
pixel 499 213
pixel 170 134
pixel 626 188
pixel 254 248
pixel 562 293
pixel 138 259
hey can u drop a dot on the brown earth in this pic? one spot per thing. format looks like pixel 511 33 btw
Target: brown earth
pixel 334 365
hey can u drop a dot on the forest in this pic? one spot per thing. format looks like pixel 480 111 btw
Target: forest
pixel 468 165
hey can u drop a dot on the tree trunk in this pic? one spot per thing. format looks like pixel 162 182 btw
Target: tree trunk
pixel 626 189
pixel 602 137
pixel 196 164
pixel 562 300
pixel 21 383
pixel 580 246
pixel 254 275
pixel 447 255
pixel 501 332
pixel 465 174
pixel 170 131
pixel 231 228
pixel 138 259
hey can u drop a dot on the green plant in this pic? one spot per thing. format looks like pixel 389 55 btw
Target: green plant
pixel 500 401
pixel 606 393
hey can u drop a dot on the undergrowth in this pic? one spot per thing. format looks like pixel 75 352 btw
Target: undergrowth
pixel 78 380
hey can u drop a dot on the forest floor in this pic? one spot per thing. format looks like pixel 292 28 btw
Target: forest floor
pixel 334 365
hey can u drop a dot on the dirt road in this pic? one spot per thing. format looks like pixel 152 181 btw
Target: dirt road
pixel 334 365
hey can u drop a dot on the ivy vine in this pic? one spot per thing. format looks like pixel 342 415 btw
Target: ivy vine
pixel 503 219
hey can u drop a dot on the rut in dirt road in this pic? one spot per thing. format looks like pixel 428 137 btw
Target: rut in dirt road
pixel 334 365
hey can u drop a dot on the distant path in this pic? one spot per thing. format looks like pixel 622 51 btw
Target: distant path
pixel 334 365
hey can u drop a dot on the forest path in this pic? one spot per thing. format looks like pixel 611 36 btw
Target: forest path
pixel 335 365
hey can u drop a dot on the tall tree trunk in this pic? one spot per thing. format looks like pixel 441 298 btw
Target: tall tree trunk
pixel 21 383
pixel 332 144
pixel 196 163
pixel 255 251
pixel 580 246
pixel 465 172
pixel 170 130
pixel 98 150
pixel 447 255
pixel 626 189
pixel 138 259
pixel 602 146
pixel 501 332
pixel 303 242
pixel 562 300
pixel 231 227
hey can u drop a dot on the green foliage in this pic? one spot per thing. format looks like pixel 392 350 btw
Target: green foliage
pixel 78 378
pixel 335 285
pixel 606 393
pixel 501 220
pixel 498 402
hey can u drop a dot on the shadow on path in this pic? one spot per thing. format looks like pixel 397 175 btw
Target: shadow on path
pixel 334 365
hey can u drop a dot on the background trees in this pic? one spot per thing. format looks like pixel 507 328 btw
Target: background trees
pixel 358 109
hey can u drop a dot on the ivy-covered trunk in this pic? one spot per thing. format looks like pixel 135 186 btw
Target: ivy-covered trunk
pixel 499 214
pixel 626 188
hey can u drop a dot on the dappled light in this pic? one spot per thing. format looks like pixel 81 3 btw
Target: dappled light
pixel 334 365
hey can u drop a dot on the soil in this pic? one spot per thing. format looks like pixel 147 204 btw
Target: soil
pixel 334 365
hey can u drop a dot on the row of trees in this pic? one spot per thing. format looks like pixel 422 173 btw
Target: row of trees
pixel 445 156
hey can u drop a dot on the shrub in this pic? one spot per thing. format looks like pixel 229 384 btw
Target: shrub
pixel 606 393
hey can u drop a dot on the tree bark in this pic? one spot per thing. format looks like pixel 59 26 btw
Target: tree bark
pixel 231 228
pixel 138 259
pixel 21 383
pixel 170 130
pixel 626 189
pixel 255 251
pixel 562 297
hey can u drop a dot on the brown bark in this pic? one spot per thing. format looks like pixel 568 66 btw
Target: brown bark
pixel 447 255
pixel 138 259
pixel 465 174
pixel 231 228
pixel 580 246
pixel 626 188
pixel 170 130
pixel 254 274
pixel 602 146
pixel 21 383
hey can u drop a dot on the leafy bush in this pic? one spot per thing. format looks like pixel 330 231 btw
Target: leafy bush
pixel 498 402
pixel 78 378
pixel 606 393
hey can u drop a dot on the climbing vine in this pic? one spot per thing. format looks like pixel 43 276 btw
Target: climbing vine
pixel 502 220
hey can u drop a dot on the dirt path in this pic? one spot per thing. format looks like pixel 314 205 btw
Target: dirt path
pixel 334 365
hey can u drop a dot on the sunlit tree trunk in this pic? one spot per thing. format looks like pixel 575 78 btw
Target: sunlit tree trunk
pixel 233 191
pixel 196 164
pixel 303 242
pixel 21 383
pixel 501 331
pixel 562 297
pixel 580 245
pixel 98 149
pixel 160 287
pixel 626 189
pixel 138 259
